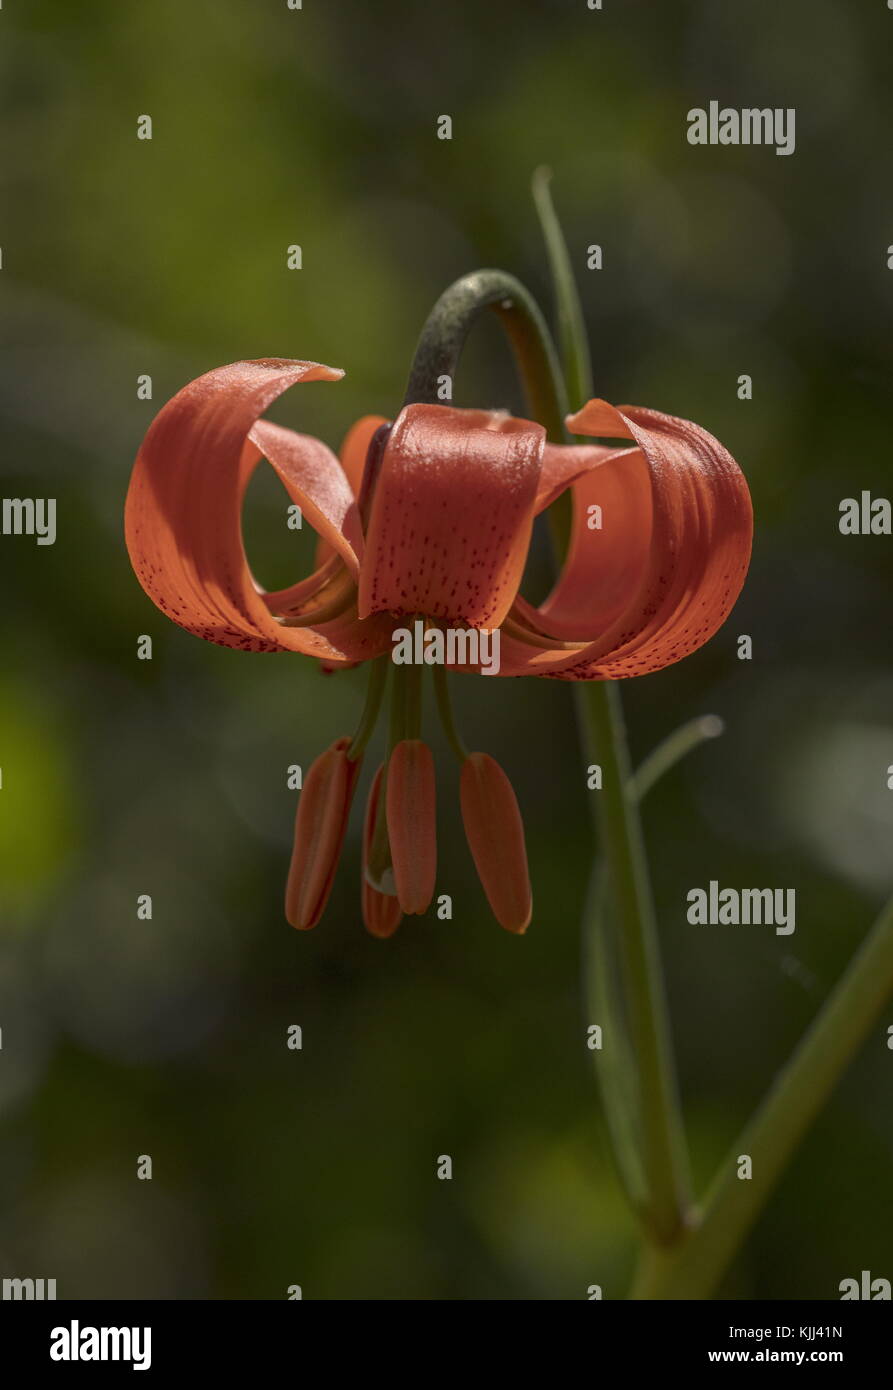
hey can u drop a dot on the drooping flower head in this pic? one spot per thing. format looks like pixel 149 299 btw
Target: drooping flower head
pixel 429 520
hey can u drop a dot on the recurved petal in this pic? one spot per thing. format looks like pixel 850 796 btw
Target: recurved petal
pixel 314 478
pixel 611 537
pixel 182 518
pixel 352 456
pixel 411 820
pixel 382 913
pixel 495 834
pixel 451 515
pixel 564 464
pixel 660 574
pixel 320 827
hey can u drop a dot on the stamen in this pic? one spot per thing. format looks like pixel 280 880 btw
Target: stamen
pixel 320 828
pixel 342 594
pixel 495 834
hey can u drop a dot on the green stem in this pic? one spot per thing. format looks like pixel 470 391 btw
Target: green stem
pixel 615 1069
pixel 451 320
pixel 620 837
pixel 697 1256
pixel 773 1134
pixel 447 717
pixel 378 674
pixel 403 716
pixel 396 714
pixel 663 1159
pixel 412 701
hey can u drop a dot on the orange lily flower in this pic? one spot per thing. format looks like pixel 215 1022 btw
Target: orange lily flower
pixel 433 517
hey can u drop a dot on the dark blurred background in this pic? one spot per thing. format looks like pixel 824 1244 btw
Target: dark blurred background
pixel 121 777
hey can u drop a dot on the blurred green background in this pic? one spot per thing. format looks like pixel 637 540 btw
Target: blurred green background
pixel 122 777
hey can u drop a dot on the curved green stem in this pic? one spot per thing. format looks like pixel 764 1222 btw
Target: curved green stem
pixel 452 318
pixel 443 338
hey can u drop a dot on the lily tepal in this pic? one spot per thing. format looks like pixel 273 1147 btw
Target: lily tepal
pixel 427 520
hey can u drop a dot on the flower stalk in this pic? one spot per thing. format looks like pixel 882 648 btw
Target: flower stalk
pixel 447 715
pixel 378 675
pixel 451 320
pixel 684 1259
pixel 652 1158
pixel 627 904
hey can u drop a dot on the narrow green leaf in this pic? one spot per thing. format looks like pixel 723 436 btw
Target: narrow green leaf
pixel 572 341
pixel 614 1065
pixel 672 750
